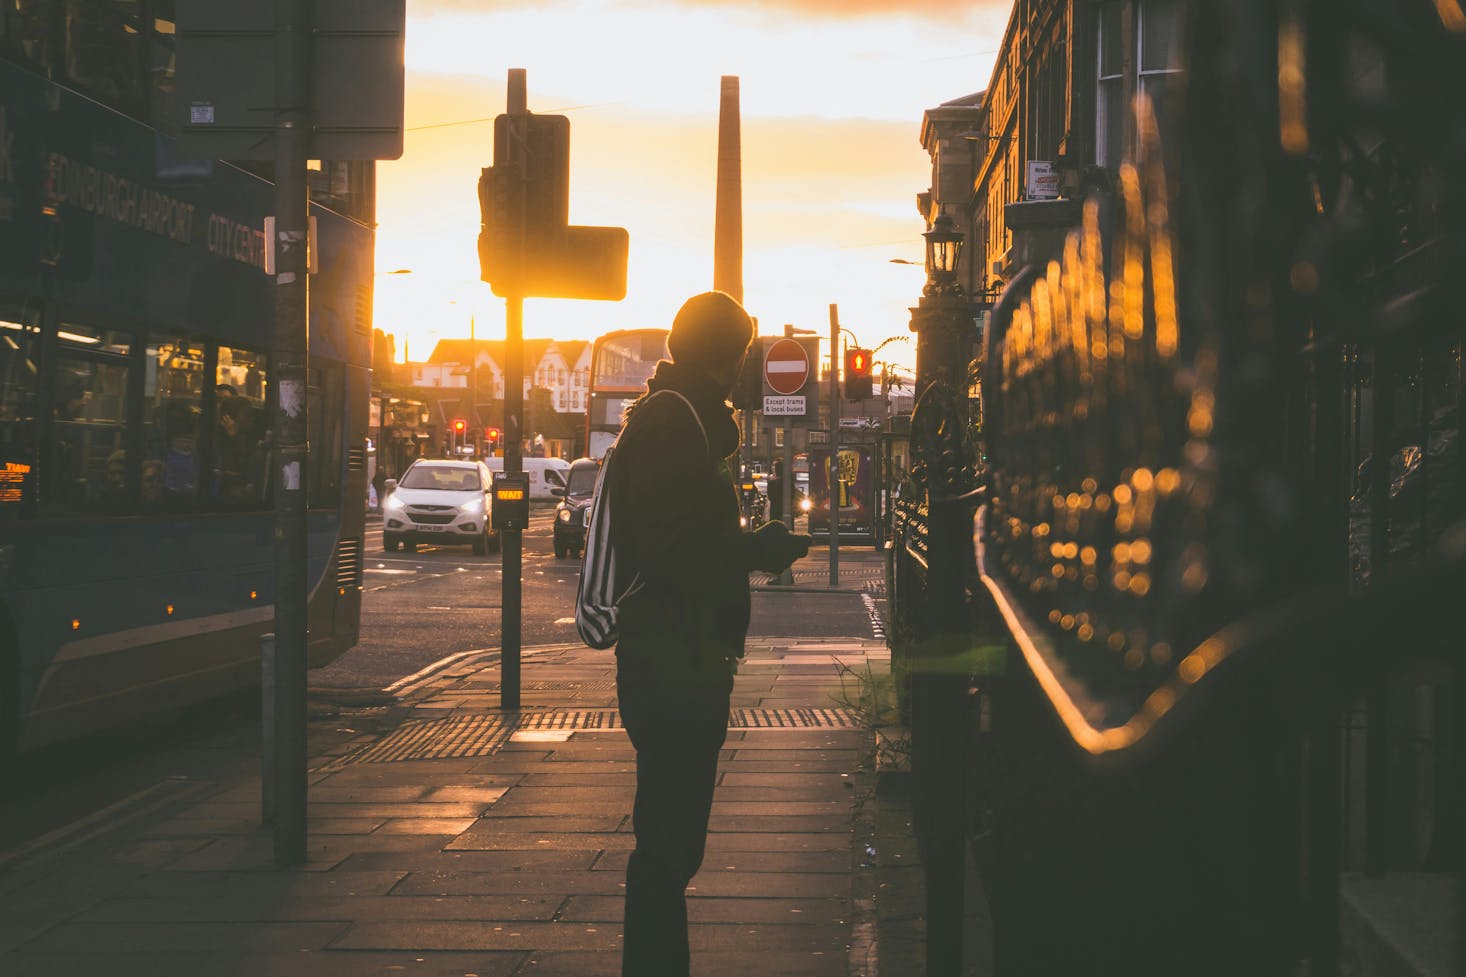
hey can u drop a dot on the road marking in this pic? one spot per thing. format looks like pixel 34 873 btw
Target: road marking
pixel 107 819
pixel 409 683
pixel 564 620
pixel 386 571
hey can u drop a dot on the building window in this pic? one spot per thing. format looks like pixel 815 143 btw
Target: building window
pixel 1153 48
pixel 1110 89
pixel 1159 53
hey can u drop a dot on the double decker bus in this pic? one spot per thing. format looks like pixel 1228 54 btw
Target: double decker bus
pixel 136 383
pixel 621 362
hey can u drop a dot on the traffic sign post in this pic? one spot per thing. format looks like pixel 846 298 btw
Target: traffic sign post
pixel 286 82
pixel 786 375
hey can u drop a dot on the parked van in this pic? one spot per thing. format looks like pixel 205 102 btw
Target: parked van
pixel 544 474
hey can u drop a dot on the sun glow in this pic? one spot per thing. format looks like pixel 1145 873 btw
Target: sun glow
pixel 831 112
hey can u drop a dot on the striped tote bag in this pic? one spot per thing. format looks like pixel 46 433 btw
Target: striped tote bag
pixel 601 591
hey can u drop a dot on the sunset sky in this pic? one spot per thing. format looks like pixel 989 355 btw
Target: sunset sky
pixel 832 97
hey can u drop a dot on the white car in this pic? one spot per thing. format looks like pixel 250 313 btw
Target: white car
pixel 443 502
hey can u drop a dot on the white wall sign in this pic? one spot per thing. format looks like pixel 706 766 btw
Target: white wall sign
pixel 1043 181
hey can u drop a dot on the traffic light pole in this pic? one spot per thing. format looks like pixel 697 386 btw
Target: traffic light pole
pixel 512 540
pixel 834 442
pixel 527 248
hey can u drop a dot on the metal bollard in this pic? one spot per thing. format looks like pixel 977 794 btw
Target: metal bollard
pixel 267 729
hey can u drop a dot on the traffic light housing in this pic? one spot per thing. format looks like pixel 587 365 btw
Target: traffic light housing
pixel 526 245
pixel 524 216
pixel 857 374
pixel 491 437
pixel 459 425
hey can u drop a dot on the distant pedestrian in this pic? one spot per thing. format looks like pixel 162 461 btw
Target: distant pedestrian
pixel 776 492
pixel 682 633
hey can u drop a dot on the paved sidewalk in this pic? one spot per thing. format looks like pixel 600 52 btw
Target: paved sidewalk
pixel 452 839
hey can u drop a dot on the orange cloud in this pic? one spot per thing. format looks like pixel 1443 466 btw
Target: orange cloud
pixel 814 9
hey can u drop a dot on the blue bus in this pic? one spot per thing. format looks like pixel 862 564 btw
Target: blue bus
pixel 136 511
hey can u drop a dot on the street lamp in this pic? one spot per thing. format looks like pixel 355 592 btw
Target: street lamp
pixel 943 248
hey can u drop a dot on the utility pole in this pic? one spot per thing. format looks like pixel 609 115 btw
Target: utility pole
pixel 289 361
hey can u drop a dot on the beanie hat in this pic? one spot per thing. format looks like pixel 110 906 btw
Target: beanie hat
pixel 710 329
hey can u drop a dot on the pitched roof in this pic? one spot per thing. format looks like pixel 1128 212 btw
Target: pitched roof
pixel 572 349
pixel 468 350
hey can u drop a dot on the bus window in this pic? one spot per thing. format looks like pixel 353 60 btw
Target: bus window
pixel 239 429
pixel 102 44
pixel 88 436
pixel 19 354
pixel 621 363
pixel 172 413
pixel 25 31
pixel 326 419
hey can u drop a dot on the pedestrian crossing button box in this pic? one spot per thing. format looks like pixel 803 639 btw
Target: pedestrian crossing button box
pixel 511 500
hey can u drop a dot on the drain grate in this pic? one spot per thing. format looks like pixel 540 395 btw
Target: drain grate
pixel 484 735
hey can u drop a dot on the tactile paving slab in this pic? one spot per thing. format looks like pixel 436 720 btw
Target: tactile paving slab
pixel 486 734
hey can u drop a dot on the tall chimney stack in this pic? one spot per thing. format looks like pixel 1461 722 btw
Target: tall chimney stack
pixel 728 226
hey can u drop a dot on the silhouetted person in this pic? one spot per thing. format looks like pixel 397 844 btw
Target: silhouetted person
pixel 180 458
pixel 233 448
pixel 776 492
pixel 677 525
pixel 112 496
pixel 152 482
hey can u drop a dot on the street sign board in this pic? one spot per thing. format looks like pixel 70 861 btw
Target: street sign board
pixel 225 79
pixel 784 406
pixel 789 392
pixel 786 366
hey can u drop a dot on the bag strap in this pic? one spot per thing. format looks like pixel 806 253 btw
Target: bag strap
pixel 693 410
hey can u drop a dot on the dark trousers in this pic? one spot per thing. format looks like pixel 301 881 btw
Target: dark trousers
pixel 677 733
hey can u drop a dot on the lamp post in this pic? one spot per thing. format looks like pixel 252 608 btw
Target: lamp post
pixel 945 332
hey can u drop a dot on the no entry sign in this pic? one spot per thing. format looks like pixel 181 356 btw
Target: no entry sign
pixel 786 367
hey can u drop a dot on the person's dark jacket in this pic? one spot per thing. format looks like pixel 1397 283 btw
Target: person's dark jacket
pixel 677 525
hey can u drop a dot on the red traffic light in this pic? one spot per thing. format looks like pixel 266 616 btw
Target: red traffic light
pixel 857 374
pixel 492 433
pixel 459 425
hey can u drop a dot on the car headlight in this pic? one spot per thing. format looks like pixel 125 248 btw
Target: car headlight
pixel 394 504
pixel 564 515
pixel 805 505
pixel 472 505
